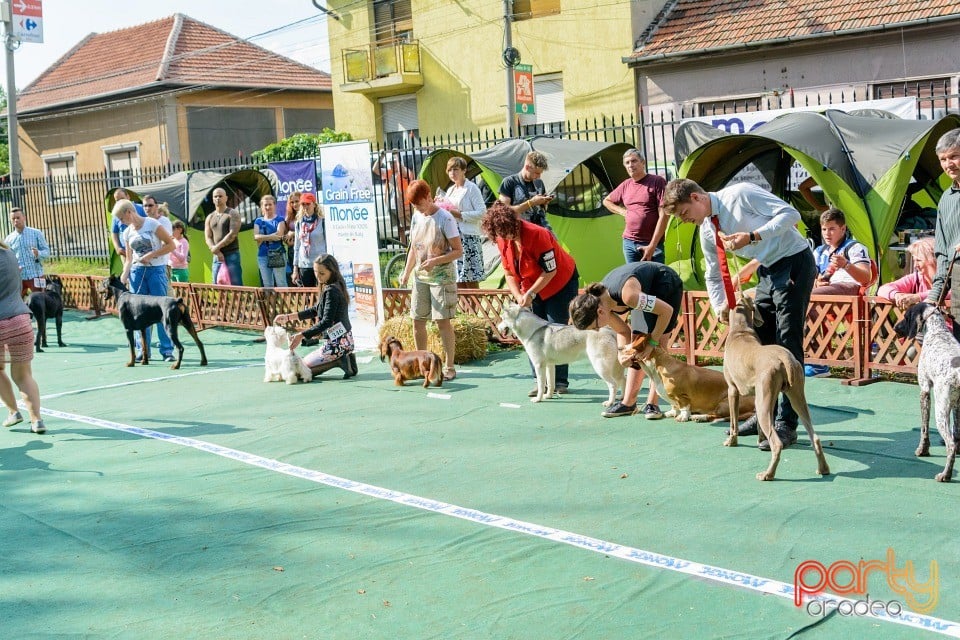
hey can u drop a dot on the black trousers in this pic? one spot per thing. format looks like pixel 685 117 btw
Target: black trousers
pixel 783 296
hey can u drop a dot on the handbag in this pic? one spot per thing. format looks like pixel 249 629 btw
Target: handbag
pixel 276 257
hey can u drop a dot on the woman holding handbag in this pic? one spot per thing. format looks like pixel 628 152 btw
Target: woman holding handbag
pixel 332 321
pixel 269 230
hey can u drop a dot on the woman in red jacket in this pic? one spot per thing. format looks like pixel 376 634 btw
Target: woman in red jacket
pixel 539 273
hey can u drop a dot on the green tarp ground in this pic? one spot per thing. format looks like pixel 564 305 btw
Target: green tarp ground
pixel 188 194
pixel 117 534
pixel 580 172
pixel 863 163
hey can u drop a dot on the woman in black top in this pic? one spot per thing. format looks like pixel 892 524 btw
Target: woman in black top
pixel 653 293
pixel 333 321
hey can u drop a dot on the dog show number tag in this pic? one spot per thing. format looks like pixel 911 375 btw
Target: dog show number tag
pixel 336 331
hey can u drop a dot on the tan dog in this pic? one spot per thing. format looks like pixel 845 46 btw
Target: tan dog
pixel 765 371
pixel 694 393
pixel 411 365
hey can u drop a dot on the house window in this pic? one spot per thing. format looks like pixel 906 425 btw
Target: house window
pixel 734 105
pixel 392 21
pixel 401 122
pixel 549 113
pixel 526 9
pixel 122 163
pixel 931 93
pixel 61 172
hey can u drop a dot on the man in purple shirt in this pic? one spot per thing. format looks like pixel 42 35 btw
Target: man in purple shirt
pixel 637 199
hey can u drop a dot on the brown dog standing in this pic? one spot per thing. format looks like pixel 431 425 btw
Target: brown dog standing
pixel 695 393
pixel 765 371
pixel 411 365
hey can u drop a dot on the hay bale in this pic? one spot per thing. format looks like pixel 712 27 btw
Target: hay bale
pixel 471 333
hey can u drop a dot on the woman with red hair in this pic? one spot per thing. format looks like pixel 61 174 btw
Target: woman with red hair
pixel 539 273
pixel 434 248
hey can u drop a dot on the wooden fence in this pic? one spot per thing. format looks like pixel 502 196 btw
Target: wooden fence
pixel 842 331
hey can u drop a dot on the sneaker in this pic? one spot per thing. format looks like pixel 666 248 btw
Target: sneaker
pixel 816 371
pixel 12 419
pixel 749 428
pixel 651 412
pixel 619 409
pixel 169 358
pixel 788 436
pixel 562 389
pixel 38 427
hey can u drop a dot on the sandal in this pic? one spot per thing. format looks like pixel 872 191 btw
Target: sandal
pixel 449 374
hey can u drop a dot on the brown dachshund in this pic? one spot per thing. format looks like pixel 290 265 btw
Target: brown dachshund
pixel 411 365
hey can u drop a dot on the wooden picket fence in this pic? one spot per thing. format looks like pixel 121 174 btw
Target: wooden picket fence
pixel 852 332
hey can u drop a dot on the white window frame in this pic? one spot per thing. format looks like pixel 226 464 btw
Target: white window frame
pixel 114 149
pixel 539 117
pixel 70 157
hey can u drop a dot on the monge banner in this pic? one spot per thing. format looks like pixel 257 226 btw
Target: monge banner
pixel 287 177
pixel 347 195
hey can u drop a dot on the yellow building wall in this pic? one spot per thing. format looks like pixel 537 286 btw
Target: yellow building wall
pixel 464 80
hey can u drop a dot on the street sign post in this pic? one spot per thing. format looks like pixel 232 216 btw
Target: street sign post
pixel 27 16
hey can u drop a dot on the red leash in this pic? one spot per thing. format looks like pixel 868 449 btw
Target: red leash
pixel 724 267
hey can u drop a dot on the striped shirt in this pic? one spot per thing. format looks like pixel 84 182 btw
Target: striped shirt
pixel 946 240
pixel 23 244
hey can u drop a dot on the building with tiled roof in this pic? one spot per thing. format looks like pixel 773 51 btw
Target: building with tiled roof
pixel 170 91
pixel 699 57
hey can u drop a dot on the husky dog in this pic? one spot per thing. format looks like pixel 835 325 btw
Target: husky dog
pixel 549 344
pixel 280 363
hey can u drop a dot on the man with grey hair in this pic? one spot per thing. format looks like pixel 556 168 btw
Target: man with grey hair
pixel 637 199
pixel 947 237
pixel 525 193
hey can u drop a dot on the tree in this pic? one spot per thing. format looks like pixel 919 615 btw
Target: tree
pixel 301 145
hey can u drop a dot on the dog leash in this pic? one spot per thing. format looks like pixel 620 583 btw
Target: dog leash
pixel 946 280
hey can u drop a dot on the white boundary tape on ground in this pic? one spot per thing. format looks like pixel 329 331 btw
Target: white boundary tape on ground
pixel 704 571
pixel 157 379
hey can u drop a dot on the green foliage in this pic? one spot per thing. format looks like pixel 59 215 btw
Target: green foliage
pixel 301 145
pixel 4 155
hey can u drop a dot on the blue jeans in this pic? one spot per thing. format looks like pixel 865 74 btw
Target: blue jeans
pixel 270 276
pixel 633 252
pixel 232 260
pixel 556 309
pixel 151 281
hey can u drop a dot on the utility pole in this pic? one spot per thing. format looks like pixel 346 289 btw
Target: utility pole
pixel 509 62
pixel 10 43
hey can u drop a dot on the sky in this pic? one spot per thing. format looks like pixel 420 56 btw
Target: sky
pixel 266 24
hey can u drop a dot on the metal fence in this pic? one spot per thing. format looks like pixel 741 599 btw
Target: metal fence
pixel 72 214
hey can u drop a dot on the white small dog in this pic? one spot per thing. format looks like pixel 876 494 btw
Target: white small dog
pixel 280 363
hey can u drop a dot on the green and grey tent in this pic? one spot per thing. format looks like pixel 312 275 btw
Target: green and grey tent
pixel 865 165
pixel 188 194
pixel 580 172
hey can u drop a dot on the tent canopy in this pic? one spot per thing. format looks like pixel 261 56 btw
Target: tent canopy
pixel 863 163
pixel 189 196
pixel 580 172
pixel 188 193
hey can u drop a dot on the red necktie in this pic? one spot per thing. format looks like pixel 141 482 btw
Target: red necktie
pixel 724 268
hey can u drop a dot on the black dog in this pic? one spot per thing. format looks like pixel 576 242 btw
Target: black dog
pixel 138 312
pixel 47 304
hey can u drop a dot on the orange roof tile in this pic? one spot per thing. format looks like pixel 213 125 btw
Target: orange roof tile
pixel 694 25
pixel 172 52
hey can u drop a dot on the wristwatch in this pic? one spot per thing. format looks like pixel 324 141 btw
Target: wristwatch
pixel 753 238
